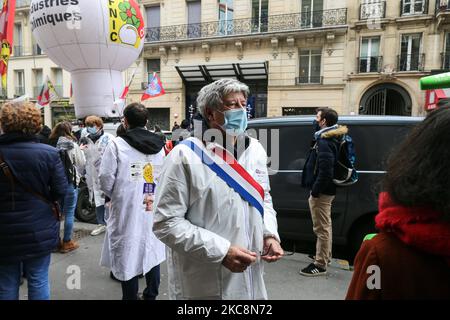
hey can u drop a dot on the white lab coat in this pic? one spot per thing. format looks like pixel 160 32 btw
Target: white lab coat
pixel 94 153
pixel 130 246
pixel 198 216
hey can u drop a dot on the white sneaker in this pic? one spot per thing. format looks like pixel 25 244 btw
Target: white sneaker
pixel 99 230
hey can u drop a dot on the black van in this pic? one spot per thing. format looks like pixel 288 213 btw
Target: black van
pixel 354 207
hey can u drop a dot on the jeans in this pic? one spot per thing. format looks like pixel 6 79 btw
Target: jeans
pixel 36 270
pixel 321 217
pixel 100 212
pixel 130 288
pixel 69 205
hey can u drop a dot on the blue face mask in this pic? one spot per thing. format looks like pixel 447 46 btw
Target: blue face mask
pixel 235 120
pixel 316 125
pixel 92 130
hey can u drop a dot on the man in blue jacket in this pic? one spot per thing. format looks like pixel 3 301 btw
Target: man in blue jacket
pixel 318 175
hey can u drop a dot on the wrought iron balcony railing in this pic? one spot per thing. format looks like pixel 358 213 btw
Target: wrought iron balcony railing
pixel 18 51
pixel 442 6
pixel 445 60
pixel 370 64
pixel 417 7
pixel 308 80
pixel 375 10
pixel 23 3
pixel 411 62
pixel 241 27
pixel 19 91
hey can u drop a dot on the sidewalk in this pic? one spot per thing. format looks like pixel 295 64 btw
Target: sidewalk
pixel 282 279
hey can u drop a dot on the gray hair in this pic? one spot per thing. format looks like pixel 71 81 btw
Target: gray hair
pixel 212 95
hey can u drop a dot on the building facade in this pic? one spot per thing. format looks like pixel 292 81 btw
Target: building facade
pixel 29 67
pixel 357 56
pixel 290 53
pixel 395 44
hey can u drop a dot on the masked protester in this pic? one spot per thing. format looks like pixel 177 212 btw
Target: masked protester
pixel 213 208
pixel 94 146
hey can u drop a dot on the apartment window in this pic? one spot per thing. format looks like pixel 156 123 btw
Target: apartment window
pixel 194 19
pixel 310 66
pixel 153 14
pixel 226 14
pixel 446 55
pixel 18 40
pixel 413 7
pixel 410 57
pixel 369 58
pixel 260 14
pixel 58 76
pixel 38 81
pixel 153 65
pixel 19 77
pixel 312 13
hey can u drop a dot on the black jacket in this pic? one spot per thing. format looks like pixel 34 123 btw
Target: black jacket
pixel 28 227
pixel 318 171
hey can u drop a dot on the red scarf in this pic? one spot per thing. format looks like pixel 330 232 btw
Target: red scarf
pixel 417 227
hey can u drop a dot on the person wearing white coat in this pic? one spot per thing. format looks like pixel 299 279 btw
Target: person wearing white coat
pixel 216 239
pixel 94 146
pixel 128 177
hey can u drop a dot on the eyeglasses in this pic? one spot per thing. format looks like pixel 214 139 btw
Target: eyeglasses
pixel 286 254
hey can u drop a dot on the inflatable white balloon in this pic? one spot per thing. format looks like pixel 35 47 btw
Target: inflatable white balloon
pixel 94 40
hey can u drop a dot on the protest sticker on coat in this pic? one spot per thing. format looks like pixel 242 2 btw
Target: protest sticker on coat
pixel 149 196
pixel 136 171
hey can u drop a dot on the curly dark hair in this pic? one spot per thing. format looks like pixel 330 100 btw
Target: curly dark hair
pixel 418 173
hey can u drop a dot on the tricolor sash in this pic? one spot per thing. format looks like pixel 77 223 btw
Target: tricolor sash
pixel 232 173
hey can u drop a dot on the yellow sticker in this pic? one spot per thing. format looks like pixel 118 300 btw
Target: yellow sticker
pixel 148 173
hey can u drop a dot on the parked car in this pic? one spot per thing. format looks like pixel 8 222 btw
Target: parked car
pixel 354 207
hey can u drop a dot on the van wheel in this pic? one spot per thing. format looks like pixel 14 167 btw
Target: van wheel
pixel 85 211
pixel 359 231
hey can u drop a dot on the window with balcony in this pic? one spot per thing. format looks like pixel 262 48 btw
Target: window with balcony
pixel 19 79
pixel 372 9
pixel 310 67
pixel 411 58
pixel 260 15
pixel 58 84
pixel 194 19
pixel 153 14
pixel 446 53
pixel 226 14
pixel 38 82
pixel 18 40
pixel 369 57
pixel 410 7
pixel 312 13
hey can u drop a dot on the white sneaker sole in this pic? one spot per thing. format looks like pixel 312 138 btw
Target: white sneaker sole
pixel 313 274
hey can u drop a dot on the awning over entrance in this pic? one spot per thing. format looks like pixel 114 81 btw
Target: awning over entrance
pixel 432 97
pixel 245 72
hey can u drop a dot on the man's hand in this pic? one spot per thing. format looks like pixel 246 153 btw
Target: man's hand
pixel 273 249
pixel 238 259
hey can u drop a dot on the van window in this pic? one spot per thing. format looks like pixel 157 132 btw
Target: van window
pixel 375 143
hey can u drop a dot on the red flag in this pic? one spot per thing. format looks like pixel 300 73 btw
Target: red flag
pixel 155 88
pixel 6 36
pixel 125 91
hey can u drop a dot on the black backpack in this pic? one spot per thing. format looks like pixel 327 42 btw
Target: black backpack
pixel 69 168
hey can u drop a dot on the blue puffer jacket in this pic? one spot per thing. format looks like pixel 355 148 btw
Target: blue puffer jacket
pixel 28 227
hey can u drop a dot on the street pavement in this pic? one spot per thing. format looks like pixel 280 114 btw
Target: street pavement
pixel 282 278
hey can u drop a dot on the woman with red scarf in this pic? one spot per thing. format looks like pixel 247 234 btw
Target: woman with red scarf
pixel 410 257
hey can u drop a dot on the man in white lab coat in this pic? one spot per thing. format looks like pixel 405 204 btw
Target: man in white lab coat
pixel 128 176
pixel 94 146
pixel 217 218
